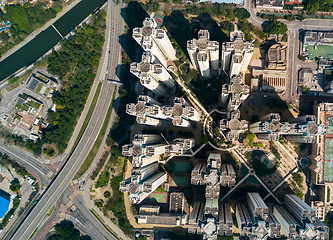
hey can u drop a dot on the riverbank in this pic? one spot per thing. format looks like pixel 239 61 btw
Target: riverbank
pixel 48 38
pixel 38 31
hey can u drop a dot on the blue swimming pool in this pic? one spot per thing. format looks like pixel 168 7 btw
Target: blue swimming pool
pixel 4 203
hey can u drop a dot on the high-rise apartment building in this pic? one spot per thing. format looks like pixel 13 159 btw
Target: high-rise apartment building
pixel 210 219
pixel 225 220
pixel 152 74
pixel 204 54
pixel 143 182
pixel 155 41
pixel 146 149
pixel 299 220
pixel 232 127
pixel 236 54
pixel 213 175
pixel 255 219
pixel 236 92
pixel 244 220
pixel 302 129
pixel 150 112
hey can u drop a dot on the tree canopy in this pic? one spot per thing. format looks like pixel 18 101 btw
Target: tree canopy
pixel 275 27
pixel 65 230
pixel 242 13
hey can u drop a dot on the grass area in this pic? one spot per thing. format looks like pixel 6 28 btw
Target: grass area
pixel 90 111
pixel 32 234
pixel 158 198
pixel 103 179
pixel 39 87
pixel 90 158
pixel 34 104
pixel 50 211
pixel 116 205
pixel 49 151
pixel 22 107
pixel 16 82
pixel 99 166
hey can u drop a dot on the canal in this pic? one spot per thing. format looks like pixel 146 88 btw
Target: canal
pixel 47 39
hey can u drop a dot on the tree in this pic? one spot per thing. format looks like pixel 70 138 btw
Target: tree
pixel 301 17
pixel 15 185
pixel 275 28
pixel 65 230
pixel 242 13
pixel 290 17
pixel 312 6
pixel 227 26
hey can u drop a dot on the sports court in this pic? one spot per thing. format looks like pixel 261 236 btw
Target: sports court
pixel 180 181
pixel 330 125
pixel 181 167
pixel 322 50
pixel 158 197
pixel 328 173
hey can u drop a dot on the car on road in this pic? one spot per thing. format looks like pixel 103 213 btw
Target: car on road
pixel 112 29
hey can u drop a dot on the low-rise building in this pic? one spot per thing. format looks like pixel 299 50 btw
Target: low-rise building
pixel 270 79
pixel 270 4
pixel 276 57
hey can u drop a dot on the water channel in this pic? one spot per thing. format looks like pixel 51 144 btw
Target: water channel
pixel 47 39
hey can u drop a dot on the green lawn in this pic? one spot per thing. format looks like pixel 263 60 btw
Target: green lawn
pixel 158 197
pixel 34 104
pixel 39 87
pixel 22 108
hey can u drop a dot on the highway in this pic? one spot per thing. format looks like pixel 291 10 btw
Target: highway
pixel 294 27
pixel 66 174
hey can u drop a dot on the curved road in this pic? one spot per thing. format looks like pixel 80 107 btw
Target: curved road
pixel 65 175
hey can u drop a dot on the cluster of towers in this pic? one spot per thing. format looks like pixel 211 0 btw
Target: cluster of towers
pixel 152 70
pixel 298 220
pixel 145 151
pixel 150 112
pixel 153 75
pixel 304 129
pixel 212 218
pixel 204 54
pixel 256 220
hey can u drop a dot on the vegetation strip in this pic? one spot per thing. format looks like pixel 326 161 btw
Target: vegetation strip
pixel 89 114
pixel 91 156
pixel 103 223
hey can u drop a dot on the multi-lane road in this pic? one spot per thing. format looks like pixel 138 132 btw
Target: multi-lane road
pixel 66 174
pixel 294 28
